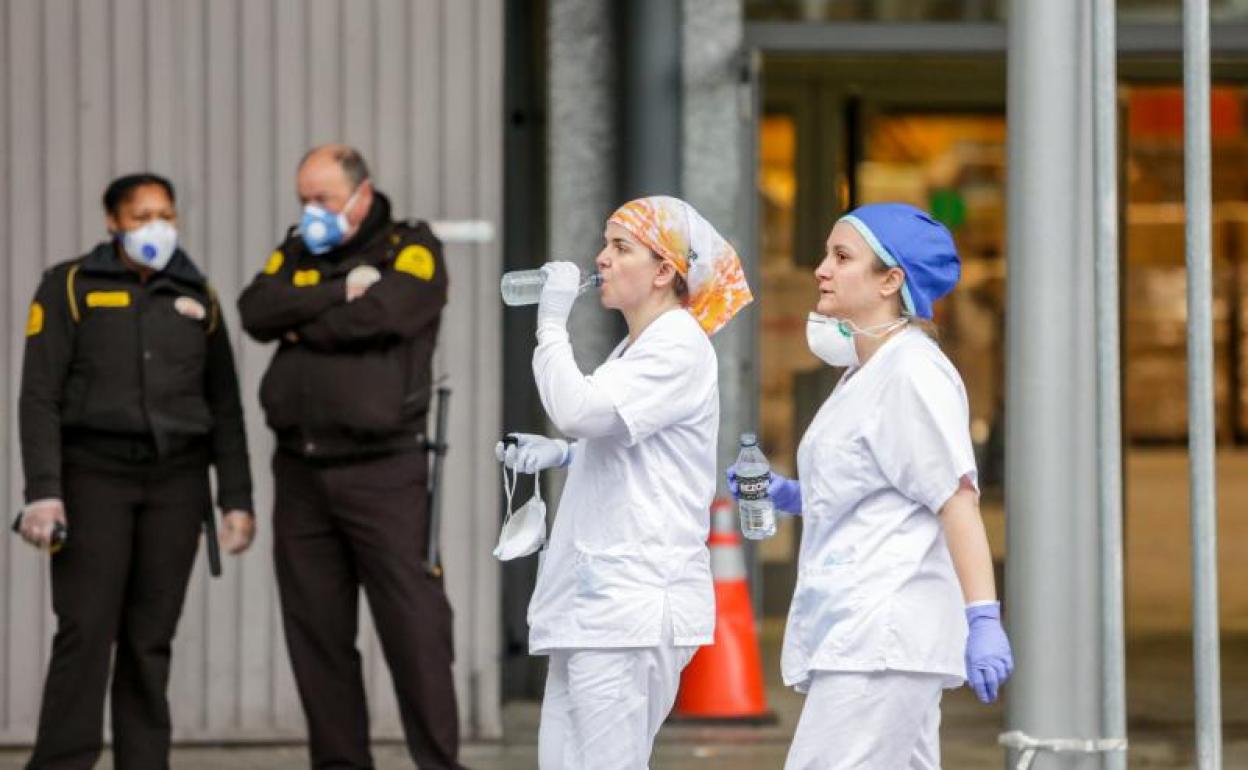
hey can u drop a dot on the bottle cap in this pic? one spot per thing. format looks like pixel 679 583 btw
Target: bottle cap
pixel 749 439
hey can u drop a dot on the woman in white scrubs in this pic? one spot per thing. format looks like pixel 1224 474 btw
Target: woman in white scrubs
pixel 624 594
pixel 894 563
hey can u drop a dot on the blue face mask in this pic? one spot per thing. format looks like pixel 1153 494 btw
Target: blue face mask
pixel 322 229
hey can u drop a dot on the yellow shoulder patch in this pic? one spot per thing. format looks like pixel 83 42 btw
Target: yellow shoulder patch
pixel 275 262
pixel 306 278
pixel 108 299
pixel 415 261
pixel 34 321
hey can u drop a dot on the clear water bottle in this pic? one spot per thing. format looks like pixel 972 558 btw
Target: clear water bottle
pixel 524 287
pixel 758 513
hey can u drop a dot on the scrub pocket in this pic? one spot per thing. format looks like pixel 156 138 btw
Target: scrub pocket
pixel 825 602
pixel 618 591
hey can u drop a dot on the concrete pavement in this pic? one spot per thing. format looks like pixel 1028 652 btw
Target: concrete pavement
pixel 1159 693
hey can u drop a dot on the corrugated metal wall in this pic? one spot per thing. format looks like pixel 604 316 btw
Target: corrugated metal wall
pixel 224 96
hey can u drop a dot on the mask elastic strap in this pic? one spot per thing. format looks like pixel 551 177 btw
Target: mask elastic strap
pixel 351 199
pixel 509 487
pixel 882 329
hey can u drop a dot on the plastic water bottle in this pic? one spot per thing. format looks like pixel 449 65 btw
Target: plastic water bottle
pixel 524 287
pixel 758 513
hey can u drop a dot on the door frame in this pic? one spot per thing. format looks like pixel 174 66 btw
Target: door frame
pixel 830 76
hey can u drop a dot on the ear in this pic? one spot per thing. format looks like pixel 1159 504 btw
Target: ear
pixel 665 275
pixel 890 285
pixel 114 227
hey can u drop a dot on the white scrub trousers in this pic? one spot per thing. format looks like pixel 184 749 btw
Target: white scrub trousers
pixel 886 720
pixel 603 707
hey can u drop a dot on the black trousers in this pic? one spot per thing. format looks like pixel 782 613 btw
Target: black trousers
pixel 120 579
pixel 337 527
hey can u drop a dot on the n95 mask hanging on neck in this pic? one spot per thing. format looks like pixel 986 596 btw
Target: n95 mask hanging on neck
pixel 832 339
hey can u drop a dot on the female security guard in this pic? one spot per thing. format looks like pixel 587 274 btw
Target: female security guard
pixel 624 594
pixel 894 564
pixel 128 394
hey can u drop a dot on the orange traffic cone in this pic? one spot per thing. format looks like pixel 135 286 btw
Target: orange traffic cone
pixel 724 682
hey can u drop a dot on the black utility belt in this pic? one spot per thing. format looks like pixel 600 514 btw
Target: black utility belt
pixel 322 451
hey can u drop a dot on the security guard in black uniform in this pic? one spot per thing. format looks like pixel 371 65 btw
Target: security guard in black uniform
pixel 128 394
pixel 354 300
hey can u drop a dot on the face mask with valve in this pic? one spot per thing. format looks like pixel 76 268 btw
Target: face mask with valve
pixel 524 530
pixel 322 229
pixel 152 245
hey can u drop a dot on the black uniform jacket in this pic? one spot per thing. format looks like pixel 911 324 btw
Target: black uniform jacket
pixel 122 372
pixel 350 379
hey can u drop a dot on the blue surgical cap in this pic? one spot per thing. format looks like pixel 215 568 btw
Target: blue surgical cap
pixel 907 237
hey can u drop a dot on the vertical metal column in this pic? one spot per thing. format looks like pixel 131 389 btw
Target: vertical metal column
pixel 1108 376
pixel 1201 435
pixel 650 96
pixel 1053 616
pixel 717 176
pixel 582 146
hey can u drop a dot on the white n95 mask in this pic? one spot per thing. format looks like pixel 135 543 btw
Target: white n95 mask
pixel 151 245
pixel 833 339
pixel 524 530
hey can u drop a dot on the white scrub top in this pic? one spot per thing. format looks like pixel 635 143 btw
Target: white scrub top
pixel 876 589
pixel 634 515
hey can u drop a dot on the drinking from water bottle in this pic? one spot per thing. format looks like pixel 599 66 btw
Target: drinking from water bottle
pixel 524 287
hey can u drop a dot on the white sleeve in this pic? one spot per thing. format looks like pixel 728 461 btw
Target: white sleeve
pixel 576 406
pixel 920 435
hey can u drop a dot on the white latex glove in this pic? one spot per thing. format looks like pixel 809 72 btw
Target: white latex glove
pixel 563 283
pixel 532 453
pixel 38 519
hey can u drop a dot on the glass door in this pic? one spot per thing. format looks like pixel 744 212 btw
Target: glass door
pixel 839 133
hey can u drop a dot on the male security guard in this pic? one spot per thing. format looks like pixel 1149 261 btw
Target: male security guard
pixel 354 300
pixel 128 395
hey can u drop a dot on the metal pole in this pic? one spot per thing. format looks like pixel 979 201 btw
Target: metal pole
pixel 650 96
pixel 582 146
pixel 1050 488
pixel 717 160
pixel 1108 376
pixel 1201 436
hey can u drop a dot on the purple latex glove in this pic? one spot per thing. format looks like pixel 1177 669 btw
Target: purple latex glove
pixel 989 661
pixel 785 493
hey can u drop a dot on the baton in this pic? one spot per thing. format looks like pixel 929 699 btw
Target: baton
pixel 438 446
pixel 214 548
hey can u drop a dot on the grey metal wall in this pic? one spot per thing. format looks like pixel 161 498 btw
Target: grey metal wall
pixel 224 96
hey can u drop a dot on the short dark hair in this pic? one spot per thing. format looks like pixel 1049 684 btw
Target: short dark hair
pixel 682 287
pixel 120 189
pixel 348 158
